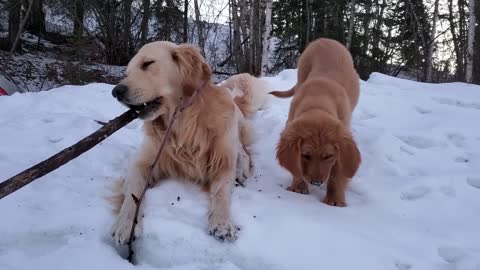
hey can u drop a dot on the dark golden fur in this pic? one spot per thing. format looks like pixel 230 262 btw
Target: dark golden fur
pixel 317 145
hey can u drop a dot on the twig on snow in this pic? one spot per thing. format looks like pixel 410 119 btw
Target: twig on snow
pixel 24 178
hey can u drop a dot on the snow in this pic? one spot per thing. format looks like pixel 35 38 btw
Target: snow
pixel 414 203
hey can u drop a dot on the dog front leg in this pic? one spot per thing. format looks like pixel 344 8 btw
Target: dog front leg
pixel 219 222
pixel 134 185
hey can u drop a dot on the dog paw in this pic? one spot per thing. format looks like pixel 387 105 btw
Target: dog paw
pixel 226 232
pixel 122 228
pixel 302 189
pixel 334 202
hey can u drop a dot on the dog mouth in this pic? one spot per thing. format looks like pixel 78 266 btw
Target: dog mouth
pixel 145 109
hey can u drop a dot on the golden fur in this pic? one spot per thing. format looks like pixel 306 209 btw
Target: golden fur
pixel 316 145
pixel 209 140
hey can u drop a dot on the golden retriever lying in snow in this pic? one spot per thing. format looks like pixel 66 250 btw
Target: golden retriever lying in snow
pixel 316 145
pixel 209 140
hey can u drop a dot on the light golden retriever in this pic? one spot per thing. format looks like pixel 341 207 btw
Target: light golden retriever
pixel 209 140
pixel 316 145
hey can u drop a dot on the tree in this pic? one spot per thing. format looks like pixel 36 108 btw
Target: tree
pixel 185 21
pixel 14 9
pixel 431 46
pixel 199 25
pixel 266 36
pixel 145 19
pixel 471 41
pixel 36 20
pixel 476 54
pixel 351 24
pixel 78 18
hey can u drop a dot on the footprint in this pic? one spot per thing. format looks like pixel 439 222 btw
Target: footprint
pixel 54 139
pixel 457 103
pixel 448 191
pixel 451 254
pixel 474 182
pixel 415 193
pixel 405 150
pixel 417 141
pixel 365 115
pixel 422 110
pixel 403 265
pixel 462 159
pixel 456 139
pixel 48 120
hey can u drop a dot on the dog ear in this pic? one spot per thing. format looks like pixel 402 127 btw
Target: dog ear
pixel 288 152
pixel 194 70
pixel 349 157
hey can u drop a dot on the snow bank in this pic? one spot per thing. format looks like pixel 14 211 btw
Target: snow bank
pixel 414 204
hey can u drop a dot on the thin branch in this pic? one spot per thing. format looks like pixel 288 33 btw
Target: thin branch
pixel 24 178
pixel 20 30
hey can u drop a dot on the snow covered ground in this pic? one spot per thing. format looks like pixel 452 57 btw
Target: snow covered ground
pixel 415 203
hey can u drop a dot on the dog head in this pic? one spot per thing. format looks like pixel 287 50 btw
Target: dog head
pixel 159 76
pixel 313 149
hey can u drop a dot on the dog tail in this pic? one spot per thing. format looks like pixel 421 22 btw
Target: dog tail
pixel 249 93
pixel 284 94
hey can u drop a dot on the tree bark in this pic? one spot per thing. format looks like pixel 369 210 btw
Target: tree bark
pixel 198 22
pixel 78 20
pixel 266 37
pixel 185 21
pixel 145 19
pixel 456 45
pixel 471 41
pixel 431 46
pixel 127 34
pixel 351 24
pixel 237 42
pixel 476 54
pixel 36 22
pixel 14 11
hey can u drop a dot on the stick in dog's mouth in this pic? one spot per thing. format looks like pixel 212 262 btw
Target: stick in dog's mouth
pixel 146 108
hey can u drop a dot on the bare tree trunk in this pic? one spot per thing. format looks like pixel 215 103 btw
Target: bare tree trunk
pixel 266 36
pixel 237 43
pixel 145 19
pixel 14 11
pixel 255 40
pixel 476 51
pixel 351 24
pixel 185 21
pixel 308 22
pixel 198 22
pixel 127 34
pixel 78 20
pixel 244 31
pixel 36 21
pixel 471 40
pixel 456 45
pixel 431 46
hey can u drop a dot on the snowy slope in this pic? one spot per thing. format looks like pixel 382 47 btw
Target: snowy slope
pixel 414 204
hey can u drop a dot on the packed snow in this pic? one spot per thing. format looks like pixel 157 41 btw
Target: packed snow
pixel 414 204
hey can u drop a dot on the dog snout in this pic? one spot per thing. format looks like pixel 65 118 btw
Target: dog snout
pixel 119 91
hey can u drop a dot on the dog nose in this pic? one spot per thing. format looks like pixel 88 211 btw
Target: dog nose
pixel 119 91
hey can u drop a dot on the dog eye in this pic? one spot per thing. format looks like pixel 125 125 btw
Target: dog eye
pixel 146 64
pixel 306 156
pixel 327 157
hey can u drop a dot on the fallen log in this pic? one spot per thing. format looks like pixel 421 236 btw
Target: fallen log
pixel 24 178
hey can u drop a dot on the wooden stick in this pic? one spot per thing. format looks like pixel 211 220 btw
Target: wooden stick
pixel 138 201
pixel 26 177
